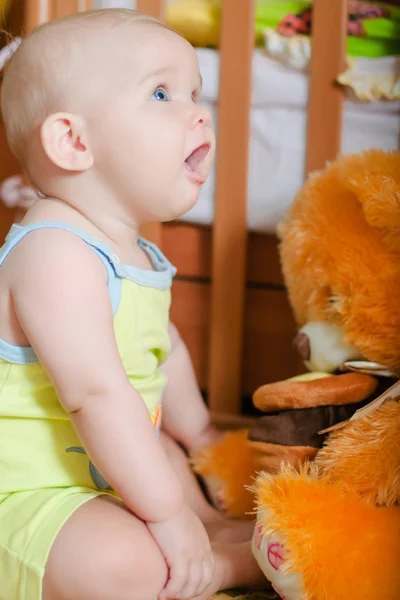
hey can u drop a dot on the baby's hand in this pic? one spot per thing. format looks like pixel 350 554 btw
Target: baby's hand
pixel 209 436
pixel 187 551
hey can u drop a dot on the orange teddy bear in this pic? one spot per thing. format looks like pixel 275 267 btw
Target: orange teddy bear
pixel 330 529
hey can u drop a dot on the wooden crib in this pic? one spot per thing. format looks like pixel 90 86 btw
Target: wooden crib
pixel 229 301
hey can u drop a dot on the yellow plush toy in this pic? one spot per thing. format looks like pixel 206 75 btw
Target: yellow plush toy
pixel 197 20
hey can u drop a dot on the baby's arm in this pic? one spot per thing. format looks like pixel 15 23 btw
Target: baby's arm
pixel 185 415
pixel 62 303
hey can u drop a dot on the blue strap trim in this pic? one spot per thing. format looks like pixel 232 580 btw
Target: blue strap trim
pixel 17 233
pixel 160 278
pixel 19 355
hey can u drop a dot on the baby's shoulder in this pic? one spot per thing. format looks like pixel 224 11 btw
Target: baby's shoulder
pixel 48 251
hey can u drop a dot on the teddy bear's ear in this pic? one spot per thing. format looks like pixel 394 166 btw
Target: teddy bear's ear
pixel 374 178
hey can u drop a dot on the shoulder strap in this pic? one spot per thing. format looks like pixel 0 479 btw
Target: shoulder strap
pixel 18 233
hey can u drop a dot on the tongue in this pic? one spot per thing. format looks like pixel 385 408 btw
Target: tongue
pixel 197 157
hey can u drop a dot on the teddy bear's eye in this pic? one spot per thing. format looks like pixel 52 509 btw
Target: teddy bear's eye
pixel 332 299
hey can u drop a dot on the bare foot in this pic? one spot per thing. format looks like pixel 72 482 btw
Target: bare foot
pixel 230 531
pixel 235 566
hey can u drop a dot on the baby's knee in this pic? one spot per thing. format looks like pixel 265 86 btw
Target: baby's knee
pixel 104 552
pixel 129 571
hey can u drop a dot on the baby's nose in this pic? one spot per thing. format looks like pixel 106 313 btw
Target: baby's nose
pixel 200 115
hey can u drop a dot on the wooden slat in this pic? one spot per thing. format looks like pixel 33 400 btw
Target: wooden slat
pixel 36 12
pixel 154 8
pixel 6 220
pixel 188 247
pixel 8 163
pixel 325 107
pixel 153 233
pixel 230 228
pixel 269 329
pixel 40 11
pixel 263 261
pixel 8 166
pixel 62 8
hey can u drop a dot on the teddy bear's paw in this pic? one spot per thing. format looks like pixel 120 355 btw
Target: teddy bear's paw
pixel 270 544
pixel 319 540
pixel 227 469
pixel 271 555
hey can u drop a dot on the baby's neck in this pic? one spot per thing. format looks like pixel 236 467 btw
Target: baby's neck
pixel 102 225
pixel 88 207
pixel 122 238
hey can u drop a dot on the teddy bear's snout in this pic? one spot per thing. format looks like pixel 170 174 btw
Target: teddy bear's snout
pixel 323 347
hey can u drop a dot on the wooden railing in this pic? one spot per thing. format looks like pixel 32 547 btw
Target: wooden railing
pixel 230 227
pixel 325 107
pixel 230 221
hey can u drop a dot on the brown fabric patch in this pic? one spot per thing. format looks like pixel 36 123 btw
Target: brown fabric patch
pixel 299 427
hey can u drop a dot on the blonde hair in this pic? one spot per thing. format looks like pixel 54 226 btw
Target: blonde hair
pixel 33 87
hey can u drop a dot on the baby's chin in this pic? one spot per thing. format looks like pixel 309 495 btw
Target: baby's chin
pixel 182 203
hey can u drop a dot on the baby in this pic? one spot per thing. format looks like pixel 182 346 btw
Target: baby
pixel 101 109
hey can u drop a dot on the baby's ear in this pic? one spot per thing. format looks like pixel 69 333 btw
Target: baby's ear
pixel 65 141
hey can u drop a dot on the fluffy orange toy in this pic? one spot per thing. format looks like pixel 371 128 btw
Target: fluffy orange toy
pixel 331 531
pixel 340 254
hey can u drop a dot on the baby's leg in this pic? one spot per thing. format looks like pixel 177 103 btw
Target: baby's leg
pixel 218 527
pixel 105 553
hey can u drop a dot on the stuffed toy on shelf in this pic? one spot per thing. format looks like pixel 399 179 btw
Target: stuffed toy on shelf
pixel 328 520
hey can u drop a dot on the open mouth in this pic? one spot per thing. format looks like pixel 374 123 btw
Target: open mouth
pixel 194 161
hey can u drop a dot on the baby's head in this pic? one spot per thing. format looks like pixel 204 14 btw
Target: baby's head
pixel 109 98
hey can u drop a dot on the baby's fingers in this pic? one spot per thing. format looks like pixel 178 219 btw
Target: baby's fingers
pixel 193 583
pixel 200 579
pixel 178 576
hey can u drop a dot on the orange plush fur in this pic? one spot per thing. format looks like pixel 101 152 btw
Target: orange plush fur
pixel 338 521
pixel 367 457
pixel 345 548
pixel 236 457
pixel 340 252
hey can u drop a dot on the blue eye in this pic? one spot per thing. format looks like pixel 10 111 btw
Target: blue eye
pixel 161 95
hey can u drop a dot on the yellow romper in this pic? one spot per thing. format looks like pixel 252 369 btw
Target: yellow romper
pixel 45 474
